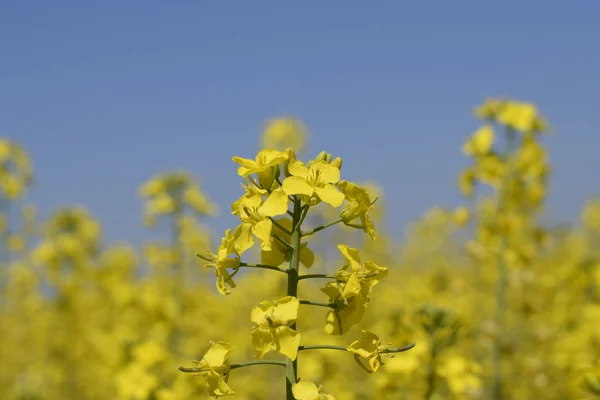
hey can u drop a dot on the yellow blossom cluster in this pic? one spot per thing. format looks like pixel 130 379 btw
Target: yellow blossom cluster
pixel 309 297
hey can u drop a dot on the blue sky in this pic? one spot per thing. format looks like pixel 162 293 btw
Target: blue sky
pixel 106 94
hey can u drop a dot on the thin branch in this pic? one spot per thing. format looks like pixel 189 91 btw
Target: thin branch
pixel 387 350
pixel 236 366
pixel 320 228
pixel 315 276
pixel 282 241
pixel 281 227
pixel 263 266
pixel 318 304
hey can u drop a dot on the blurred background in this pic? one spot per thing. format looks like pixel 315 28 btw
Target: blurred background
pixel 109 108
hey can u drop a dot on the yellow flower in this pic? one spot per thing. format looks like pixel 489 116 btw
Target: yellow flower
pixel 466 182
pixel 265 166
pixel 221 262
pixel 489 109
pixel 283 133
pixel 358 277
pixel 350 294
pixel 152 188
pixel 279 253
pixel 198 201
pixel 135 383
pixel 305 390
pixel 359 206
pixel 215 368
pixel 272 330
pixel 461 216
pixel 522 117
pixel 480 143
pixel 150 353
pixel 255 217
pixel 15 243
pixel 461 374
pixel 317 182
pixel 367 348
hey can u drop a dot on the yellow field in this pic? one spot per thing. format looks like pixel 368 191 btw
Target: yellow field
pixel 497 305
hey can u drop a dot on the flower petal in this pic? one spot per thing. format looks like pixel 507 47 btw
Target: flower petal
pixel 288 341
pixel 276 204
pixel 286 310
pixel 305 390
pixel 217 354
pixel 262 341
pixel 262 230
pixel 297 185
pixel 243 238
pixel 330 195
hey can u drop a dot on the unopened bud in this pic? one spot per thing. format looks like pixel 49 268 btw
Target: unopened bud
pixel 323 156
pixel 337 163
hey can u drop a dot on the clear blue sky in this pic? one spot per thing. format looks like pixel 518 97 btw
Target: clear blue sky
pixel 104 94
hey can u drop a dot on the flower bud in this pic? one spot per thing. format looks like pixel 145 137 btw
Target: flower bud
pixel 323 156
pixel 337 163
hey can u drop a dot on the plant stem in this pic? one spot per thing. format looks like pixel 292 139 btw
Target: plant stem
pixel 263 266
pixel 279 226
pixel 292 290
pixel 239 365
pixel 320 228
pixel 501 281
pixel 282 241
pixel 316 303
pixel 430 373
pixel 388 350
pixel 315 276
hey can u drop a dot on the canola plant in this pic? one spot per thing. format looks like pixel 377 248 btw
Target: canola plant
pixel 485 301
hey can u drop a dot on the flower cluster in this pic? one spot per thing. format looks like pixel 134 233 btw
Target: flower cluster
pixel 279 192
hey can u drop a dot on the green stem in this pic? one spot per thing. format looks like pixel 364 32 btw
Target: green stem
pixel 282 241
pixel 320 228
pixel 388 350
pixel 501 281
pixel 292 290
pixel 315 276
pixel 279 226
pixel 239 365
pixel 316 303
pixel 263 266
pixel 430 373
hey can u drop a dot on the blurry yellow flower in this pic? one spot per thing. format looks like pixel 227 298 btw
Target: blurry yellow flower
pixel 480 143
pixel 272 330
pixel 135 383
pixel 466 182
pixel 215 368
pixel 152 188
pixel 461 216
pixel 522 117
pixel 591 214
pixel 150 353
pixel 489 109
pixel 15 243
pixel 461 374
pixel 359 206
pixel 221 262
pixel 305 390
pixel 317 180
pixel 283 133
pixel 198 201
